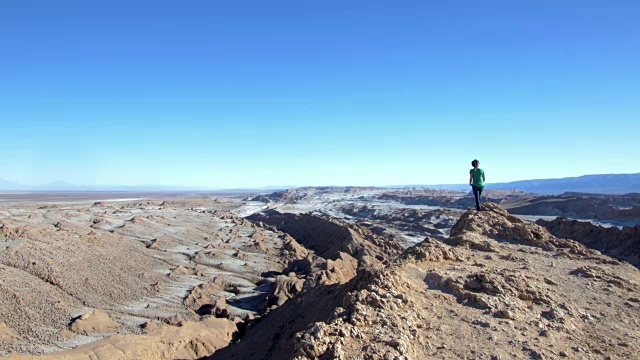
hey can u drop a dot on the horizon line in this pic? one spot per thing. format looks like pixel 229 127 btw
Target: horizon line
pixel 268 187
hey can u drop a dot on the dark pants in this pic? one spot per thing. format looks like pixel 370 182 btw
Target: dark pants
pixel 477 193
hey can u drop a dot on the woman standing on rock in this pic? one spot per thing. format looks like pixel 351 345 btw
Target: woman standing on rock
pixel 476 180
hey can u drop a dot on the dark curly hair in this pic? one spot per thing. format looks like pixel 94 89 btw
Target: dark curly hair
pixel 475 163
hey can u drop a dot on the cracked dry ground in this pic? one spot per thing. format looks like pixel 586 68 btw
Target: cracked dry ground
pixel 305 287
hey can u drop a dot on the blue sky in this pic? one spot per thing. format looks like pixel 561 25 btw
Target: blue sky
pixel 257 93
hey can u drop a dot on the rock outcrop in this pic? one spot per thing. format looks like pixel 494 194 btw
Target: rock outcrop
pixel 622 244
pixel 328 237
pixel 96 321
pixel 578 205
pixel 496 223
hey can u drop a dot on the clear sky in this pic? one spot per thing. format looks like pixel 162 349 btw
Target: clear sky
pixel 257 93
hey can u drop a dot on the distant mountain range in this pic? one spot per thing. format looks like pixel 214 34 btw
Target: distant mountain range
pixel 595 184
pixel 9 185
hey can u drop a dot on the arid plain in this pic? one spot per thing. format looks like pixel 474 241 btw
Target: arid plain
pixel 347 273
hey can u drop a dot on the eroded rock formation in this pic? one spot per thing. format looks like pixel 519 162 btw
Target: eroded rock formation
pixel 500 288
pixel 623 244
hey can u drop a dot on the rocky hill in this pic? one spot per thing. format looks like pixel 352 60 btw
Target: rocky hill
pixel 328 237
pixel 498 288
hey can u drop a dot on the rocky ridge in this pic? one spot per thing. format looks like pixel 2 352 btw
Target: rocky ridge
pixel 499 288
pixel 617 208
pixel 304 193
pixel 623 244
